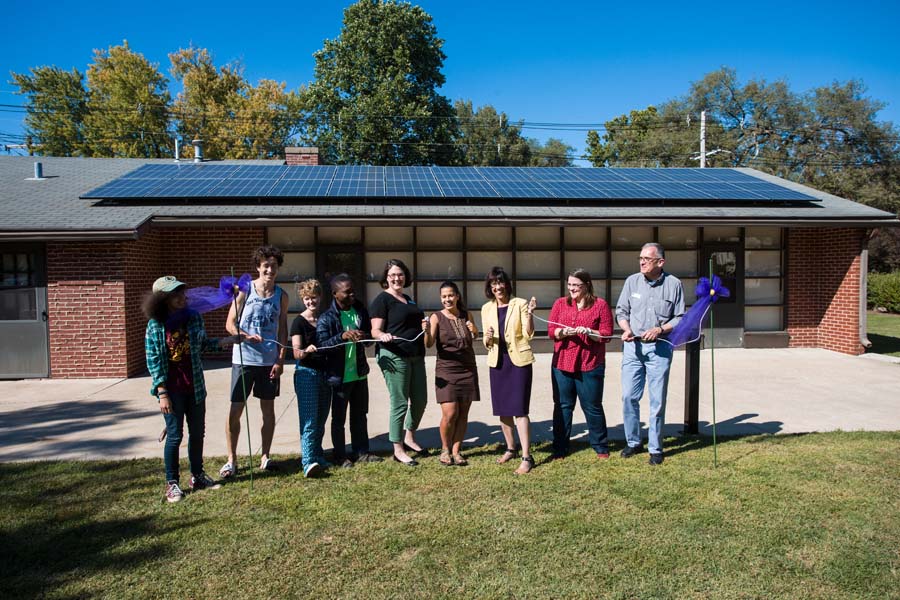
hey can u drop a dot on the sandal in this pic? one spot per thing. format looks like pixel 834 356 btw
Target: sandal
pixel 445 458
pixel 507 456
pixel 459 460
pixel 526 466
pixel 228 470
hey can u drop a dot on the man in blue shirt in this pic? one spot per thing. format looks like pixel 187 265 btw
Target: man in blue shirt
pixel 649 307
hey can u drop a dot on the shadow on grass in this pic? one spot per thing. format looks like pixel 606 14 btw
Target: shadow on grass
pixel 56 532
pixel 883 344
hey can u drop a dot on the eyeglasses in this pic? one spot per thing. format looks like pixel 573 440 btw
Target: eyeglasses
pixel 645 259
pixel 395 276
pixel 575 285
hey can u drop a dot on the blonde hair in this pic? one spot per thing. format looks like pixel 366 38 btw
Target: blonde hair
pixel 309 288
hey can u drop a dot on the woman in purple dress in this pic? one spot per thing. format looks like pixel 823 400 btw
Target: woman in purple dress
pixel 508 329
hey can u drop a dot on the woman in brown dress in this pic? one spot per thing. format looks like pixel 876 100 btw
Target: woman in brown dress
pixel 455 375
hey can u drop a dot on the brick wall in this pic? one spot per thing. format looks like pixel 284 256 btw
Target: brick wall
pixel 823 288
pixel 95 290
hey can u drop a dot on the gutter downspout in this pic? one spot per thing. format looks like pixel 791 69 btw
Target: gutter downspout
pixel 863 289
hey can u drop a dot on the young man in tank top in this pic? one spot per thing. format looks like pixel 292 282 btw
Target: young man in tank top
pixel 257 367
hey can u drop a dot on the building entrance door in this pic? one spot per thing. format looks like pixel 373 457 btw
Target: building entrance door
pixel 24 345
pixel 332 260
pixel 728 313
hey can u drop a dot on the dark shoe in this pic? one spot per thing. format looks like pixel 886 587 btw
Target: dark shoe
pixel 424 452
pixel 204 482
pixel 656 459
pixel 631 451
pixel 343 462
pixel 412 463
pixel 365 457
pixel 312 470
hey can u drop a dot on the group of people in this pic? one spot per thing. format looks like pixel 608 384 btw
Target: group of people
pixel 327 341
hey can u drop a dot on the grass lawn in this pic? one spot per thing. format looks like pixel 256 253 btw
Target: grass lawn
pixel 788 516
pixel 884 333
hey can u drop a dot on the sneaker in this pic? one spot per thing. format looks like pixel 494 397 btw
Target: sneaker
pixel 603 456
pixel 344 463
pixel 631 451
pixel 204 482
pixel 365 457
pixel 173 492
pixel 267 464
pixel 312 469
pixel 656 459
pixel 228 470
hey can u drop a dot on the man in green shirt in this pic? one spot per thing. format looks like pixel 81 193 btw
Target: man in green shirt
pixel 338 333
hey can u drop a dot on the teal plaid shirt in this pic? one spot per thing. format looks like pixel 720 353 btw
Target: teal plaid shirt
pixel 158 354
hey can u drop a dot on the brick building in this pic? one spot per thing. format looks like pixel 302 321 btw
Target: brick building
pixel 76 260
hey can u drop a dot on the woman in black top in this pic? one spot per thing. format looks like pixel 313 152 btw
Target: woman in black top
pixel 402 361
pixel 313 395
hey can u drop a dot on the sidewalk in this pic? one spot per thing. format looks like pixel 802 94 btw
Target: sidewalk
pixel 758 391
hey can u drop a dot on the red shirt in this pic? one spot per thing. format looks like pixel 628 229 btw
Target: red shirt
pixel 579 353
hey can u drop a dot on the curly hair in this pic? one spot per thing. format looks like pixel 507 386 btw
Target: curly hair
pixel 264 253
pixel 156 304
pixel 309 288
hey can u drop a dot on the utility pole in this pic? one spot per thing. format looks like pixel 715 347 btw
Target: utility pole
pixel 702 139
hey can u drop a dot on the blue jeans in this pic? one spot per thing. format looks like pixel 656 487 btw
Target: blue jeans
pixel 645 362
pixel 313 403
pixel 588 387
pixel 184 407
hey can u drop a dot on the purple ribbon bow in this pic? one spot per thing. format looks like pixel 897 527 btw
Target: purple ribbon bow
pixel 688 329
pixel 205 299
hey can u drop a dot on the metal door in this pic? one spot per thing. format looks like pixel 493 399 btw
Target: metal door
pixel 24 345
pixel 728 313
pixel 332 260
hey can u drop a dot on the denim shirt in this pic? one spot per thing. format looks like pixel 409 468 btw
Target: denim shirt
pixel 648 304
pixel 158 354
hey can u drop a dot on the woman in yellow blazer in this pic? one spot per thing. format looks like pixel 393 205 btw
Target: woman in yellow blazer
pixel 508 329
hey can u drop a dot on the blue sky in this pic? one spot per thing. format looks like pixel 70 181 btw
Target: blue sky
pixel 560 62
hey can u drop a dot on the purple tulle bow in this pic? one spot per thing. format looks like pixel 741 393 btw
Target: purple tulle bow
pixel 688 329
pixel 205 299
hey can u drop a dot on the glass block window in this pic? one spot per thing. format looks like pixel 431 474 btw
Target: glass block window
pixel 537 238
pixel 489 237
pixel 286 238
pixel 439 265
pixel 594 262
pixel 763 318
pixel 375 262
pixel 439 238
pixel 480 263
pixel 678 238
pixel 537 264
pixel 340 235
pixel 586 238
pixel 631 237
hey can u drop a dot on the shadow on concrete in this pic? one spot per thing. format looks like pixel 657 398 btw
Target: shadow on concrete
pixel 48 422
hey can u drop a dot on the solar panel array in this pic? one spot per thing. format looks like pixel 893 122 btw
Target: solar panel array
pixel 211 181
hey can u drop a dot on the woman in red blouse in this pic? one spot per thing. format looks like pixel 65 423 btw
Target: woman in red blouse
pixel 581 326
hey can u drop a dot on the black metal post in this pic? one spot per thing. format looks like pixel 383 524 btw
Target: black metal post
pixel 692 387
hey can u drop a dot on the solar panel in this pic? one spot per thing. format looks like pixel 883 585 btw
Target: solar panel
pixel 308 172
pixel 467 189
pixel 300 188
pixel 242 188
pixel 521 189
pixel 356 187
pixel 190 180
pixel 125 188
pixel 421 188
pixel 259 172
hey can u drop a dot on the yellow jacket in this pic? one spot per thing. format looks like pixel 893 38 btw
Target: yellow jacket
pixel 518 344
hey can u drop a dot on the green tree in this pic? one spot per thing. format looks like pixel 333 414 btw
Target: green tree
pixel 233 118
pixel 56 105
pixel 128 106
pixel 828 138
pixel 553 153
pixel 374 99
pixel 487 138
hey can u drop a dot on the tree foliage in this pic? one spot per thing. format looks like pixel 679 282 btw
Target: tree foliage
pixel 375 96
pixel 828 138
pixel 56 107
pixel 128 106
pixel 487 138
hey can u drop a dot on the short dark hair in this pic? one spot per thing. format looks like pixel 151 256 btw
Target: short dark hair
pixel 264 253
pixel 156 304
pixel 338 280
pixel 497 274
pixel 395 262
pixel 585 278
pixel 459 303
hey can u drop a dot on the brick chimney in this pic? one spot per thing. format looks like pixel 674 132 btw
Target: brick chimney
pixel 302 156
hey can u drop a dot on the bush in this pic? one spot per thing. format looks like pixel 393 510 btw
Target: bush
pixel 884 291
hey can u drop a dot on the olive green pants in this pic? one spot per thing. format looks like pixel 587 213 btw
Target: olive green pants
pixel 408 391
